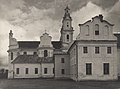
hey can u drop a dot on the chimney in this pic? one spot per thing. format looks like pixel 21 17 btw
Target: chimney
pixel 101 17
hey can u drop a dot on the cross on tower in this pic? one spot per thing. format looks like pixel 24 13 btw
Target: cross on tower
pixel 45 31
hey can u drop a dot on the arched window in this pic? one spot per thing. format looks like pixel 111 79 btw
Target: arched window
pixel 96 29
pixel 67 37
pixel 11 55
pixel 45 53
pixel 106 30
pixel 87 30
pixel 67 24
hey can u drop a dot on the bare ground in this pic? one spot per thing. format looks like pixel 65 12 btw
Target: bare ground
pixel 56 84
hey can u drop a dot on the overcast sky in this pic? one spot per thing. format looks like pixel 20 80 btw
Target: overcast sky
pixel 30 18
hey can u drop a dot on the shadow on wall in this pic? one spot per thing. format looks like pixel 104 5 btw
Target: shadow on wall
pixel 3 73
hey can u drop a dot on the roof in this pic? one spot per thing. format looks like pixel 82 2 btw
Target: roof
pixel 32 59
pixel 35 44
pixel 28 44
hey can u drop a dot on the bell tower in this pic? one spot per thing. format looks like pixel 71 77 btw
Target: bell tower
pixel 67 29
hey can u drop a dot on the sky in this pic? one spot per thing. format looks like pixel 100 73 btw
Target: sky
pixel 28 19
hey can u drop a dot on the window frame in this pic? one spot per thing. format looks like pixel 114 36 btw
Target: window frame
pixel 62 60
pixel 88 30
pixel 45 70
pixel 97 29
pixel 36 70
pixel 45 53
pixel 68 37
pixel 17 70
pixel 106 68
pixel 109 50
pixel 97 50
pixel 26 70
pixel 106 30
pixel 85 50
pixel 96 32
pixel 88 68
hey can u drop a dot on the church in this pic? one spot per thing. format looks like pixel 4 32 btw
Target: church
pixel 93 55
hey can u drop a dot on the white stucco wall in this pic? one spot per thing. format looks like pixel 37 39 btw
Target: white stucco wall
pixel 45 40
pixel 45 44
pixel 49 67
pixel 13 43
pixel 59 66
pixel 97 61
pixel 41 52
pixel 10 66
pixel 73 63
pixel 29 51
pixel 31 68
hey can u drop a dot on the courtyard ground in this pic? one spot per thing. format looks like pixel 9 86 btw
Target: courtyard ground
pixel 56 84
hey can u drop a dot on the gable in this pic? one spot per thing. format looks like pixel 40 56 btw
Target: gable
pixel 96 29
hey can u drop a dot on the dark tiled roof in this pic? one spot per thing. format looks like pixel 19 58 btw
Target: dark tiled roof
pixel 35 44
pixel 32 59
pixel 28 44
pixel 57 44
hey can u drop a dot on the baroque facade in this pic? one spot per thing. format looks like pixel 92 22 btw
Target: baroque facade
pixel 94 55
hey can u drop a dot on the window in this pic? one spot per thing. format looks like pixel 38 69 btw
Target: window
pixel 106 68
pixel 67 37
pixel 106 30
pixel 85 50
pixel 109 50
pixel 67 24
pixel 87 30
pixel 36 70
pixel 26 70
pixel 62 60
pixel 35 53
pixel 45 70
pixel 25 53
pixel 88 68
pixel 11 55
pixel 17 70
pixel 96 32
pixel 53 70
pixel 45 53
pixel 96 50
pixel 96 29
pixel 62 71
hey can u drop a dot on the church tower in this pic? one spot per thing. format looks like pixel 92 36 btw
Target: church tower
pixel 67 29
